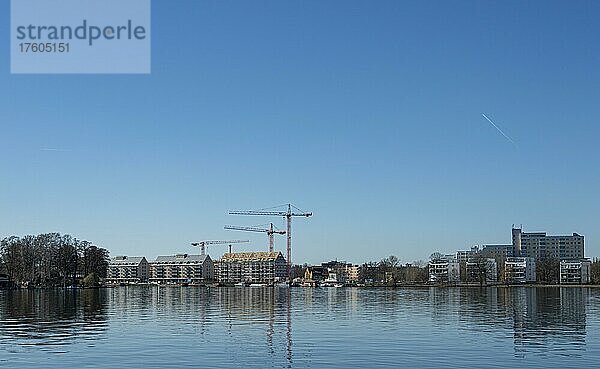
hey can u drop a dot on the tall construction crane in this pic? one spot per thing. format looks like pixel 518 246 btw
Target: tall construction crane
pixel 288 217
pixel 203 244
pixel 269 231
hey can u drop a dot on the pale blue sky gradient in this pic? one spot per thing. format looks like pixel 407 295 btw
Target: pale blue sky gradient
pixel 367 113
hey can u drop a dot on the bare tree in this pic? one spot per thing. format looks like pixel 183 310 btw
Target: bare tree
pixel 50 259
pixel 548 270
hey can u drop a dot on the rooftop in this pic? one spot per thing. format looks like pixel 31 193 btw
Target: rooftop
pixel 181 258
pixel 251 256
pixel 126 260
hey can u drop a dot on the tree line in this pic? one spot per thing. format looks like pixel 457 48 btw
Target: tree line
pixel 389 271
pixel 51 259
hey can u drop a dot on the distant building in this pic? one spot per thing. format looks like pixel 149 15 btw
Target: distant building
pixel 445 270
pixel 464 256
pixel 575 271
pixel 181 269
pixel 345 272
pixel 318 273
pixel 127 269
pixel 498 252
pixel 518 270
pixel 252 267
pixel 477 267
pixel 353 272
pixel 539 245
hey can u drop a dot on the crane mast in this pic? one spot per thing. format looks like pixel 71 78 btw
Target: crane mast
pixel 269 231
pixel 203 244
pixel 288 217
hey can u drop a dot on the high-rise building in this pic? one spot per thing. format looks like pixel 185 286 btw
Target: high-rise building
pixel 539 245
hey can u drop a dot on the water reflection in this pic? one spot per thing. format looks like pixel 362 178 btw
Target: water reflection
pixel 52 317
pixel 312 327
pixel 540 320
pixel 549 319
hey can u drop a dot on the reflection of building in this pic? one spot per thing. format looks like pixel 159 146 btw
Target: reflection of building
pixel 182 268
pixel 482 270
pixel 575 271
pixel 252 267
pixel 445 270
pixel 126 269
pixel 548 319
pixel 519 270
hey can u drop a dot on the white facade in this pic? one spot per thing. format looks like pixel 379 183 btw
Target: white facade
pixel 575 271
pixel 444 271
pixel 519 270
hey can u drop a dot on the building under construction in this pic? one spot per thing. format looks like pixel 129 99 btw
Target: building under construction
pixel 251 267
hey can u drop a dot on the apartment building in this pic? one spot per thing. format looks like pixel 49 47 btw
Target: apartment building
pixel 445 270
pixel 182 269
pixel 575 271
pixel 519 270
pixel 539 245
pixel 127 269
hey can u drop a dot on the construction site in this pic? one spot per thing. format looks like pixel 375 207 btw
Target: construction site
pixel 255 268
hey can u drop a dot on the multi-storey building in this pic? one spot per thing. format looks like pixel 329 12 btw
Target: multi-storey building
pixel 445 270
pixel 518 270
pixel 252 267
pixel 575 271
pixel 466 255
pixel 498 252
pixel 182 269
pixel 127 269
pixel 539 245
pixel 353 272
pixel 345 272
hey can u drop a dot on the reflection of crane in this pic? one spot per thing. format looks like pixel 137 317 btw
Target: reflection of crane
pixel 269 231
pixel 288 216
pixel 203 244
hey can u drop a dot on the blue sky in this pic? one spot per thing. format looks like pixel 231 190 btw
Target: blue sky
pixel 367 113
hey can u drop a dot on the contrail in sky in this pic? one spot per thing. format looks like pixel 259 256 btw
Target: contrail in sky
pixel 52 149
pixel 499 130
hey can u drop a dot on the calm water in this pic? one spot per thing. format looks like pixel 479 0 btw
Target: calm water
pixel 300 328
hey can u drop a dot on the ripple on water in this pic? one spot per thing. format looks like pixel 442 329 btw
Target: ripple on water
pixel 329 327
